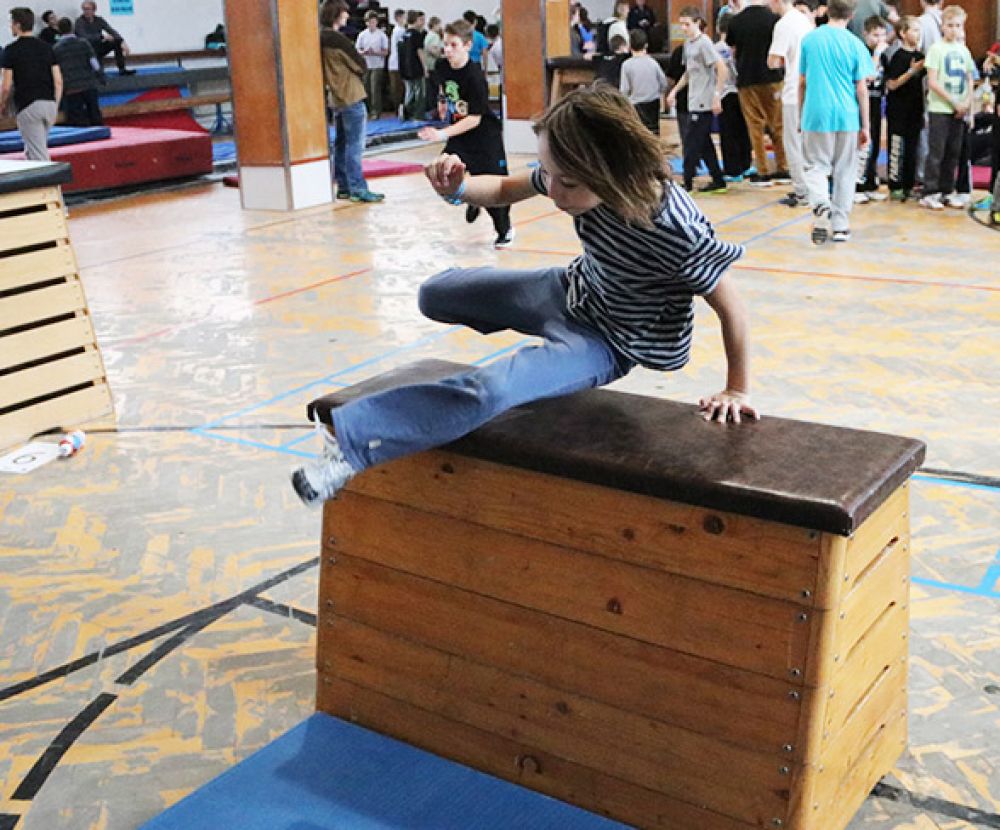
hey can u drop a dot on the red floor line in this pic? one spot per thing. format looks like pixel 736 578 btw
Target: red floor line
pixel 824 275
pixel 311 286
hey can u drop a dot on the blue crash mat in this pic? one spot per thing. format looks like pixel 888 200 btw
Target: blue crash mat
pixel 10 140
pixel 327 774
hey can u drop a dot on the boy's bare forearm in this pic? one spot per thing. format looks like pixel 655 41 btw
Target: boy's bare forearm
pixel 725 301
pixel 498 191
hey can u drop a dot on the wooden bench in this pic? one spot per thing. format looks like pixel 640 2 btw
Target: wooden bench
pixel 602 597
pixel 178 57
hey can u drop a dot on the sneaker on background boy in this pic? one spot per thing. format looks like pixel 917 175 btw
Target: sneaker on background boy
pixel 949 102
pixel 833 96
pixel 904 80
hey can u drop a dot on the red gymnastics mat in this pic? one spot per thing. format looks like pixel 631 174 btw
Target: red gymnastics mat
pixel 980 177
pixel 134 155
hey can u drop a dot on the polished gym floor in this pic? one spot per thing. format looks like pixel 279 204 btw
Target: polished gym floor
pixel 158 591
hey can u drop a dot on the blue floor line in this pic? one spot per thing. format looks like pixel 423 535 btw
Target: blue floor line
pixel 745 213
pixel 950 482
pixel 977 591
pixel 300 439
pixel 246 442
pixel 329 378
pixel 775 229
pixel 512 348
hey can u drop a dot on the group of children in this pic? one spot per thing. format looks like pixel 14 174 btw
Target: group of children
pixel 832 100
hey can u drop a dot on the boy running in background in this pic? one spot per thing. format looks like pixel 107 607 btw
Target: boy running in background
pixel 474 133
pixel 704 76
pixel 876 39
pixel 643 82
pixel 833 100
pixel 904 80
pixel 949 101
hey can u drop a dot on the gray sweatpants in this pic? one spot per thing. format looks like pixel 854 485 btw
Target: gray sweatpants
pixel 831 156
pixel 792 138
pixel 34 123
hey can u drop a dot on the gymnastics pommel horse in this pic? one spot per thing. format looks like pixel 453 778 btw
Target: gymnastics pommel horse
pixel 602 597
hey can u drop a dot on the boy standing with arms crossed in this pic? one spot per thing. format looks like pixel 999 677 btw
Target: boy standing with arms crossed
pixel 904 79
pixel 474 133
pixel 833 101
pixel 949 102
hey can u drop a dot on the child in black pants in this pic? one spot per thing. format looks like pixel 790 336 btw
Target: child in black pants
pixel 904 79
pixel 474 133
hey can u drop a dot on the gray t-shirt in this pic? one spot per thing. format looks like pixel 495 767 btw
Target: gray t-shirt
pixel 700 58
pixel 642 79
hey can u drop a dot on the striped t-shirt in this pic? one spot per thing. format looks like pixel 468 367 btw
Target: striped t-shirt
pixel 636 286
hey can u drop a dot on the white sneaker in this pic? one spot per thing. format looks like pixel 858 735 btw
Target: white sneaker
pixel 960 201
pixel 319 481
pixel 932 201
pixel 821 224
pixel 861 198
pixel 877 195
pixel 505 240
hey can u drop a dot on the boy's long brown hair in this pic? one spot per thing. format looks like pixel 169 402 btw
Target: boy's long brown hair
pixel 596 138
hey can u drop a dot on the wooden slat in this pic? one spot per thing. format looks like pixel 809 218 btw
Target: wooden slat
pixel 742 707
pixel 33 228
pixel 733 627
pixel 513 761
pixel 883 643
pixel 763 557
pixel 65 411
pixel 21 199
pixel 51 377
pixel 55 338
pixel 885 583
pixel 37 266
pixel 31 306
pixel 677 762
pixel 874 534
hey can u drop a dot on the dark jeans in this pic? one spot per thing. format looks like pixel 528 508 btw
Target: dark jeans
pixel 698 145
pixel 904 140
pixel 348 145
pixel 945 134
pixel 868 174
pixel 492 167
pixel 82 109
pixel 649 114
pixel 734 137
pixel 103 47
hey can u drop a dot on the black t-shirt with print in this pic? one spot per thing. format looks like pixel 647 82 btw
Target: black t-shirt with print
pixel 905 105
pixel 464 92
pixel 31 61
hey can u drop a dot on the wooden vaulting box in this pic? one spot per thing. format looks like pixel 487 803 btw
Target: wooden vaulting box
pixel 51 371
pixel 604 598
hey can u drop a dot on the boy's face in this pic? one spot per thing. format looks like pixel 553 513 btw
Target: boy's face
pixel 372 24
pixel 689 27
pixel 568 194
pixel 456 51
pixel 911 37
pixel 876 37
pixel 953 29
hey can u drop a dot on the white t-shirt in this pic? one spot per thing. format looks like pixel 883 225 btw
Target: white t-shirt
pixel 397 37
pixel 785 42
pixel 376 40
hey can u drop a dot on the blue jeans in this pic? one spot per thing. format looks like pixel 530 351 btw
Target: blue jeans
pixel 408 419
pixel 348 146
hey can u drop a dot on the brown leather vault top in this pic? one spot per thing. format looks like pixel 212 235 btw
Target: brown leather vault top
pixel 809 475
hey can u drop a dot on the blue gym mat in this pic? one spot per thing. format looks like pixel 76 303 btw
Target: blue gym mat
pixel 10 140
pixel 327 774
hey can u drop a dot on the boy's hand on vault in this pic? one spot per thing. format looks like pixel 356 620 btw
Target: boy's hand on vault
pixel 727 405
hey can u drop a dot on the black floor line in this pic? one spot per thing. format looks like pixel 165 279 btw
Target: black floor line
pixel 958 475
pixel 938 806
pixel 140 667
pixel 43 767
pixel 210 613
pixel 283 610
